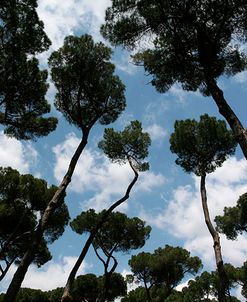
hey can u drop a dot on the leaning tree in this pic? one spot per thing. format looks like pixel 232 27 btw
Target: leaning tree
pixel 191 42
pixel 127 146
pixel 201 147
pixel 22 84
pixel 88 92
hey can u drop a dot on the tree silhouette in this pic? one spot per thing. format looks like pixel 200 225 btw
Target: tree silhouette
pixel 127 146
pixel 118 234
pixel 201 147
pixel 22 84
pixel 22 199
pixel 166 267
pixel 234 220
pixel 88 92
pixel 189 42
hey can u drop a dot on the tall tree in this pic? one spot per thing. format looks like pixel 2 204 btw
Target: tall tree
pixel 23 199
pixel 127 146
pixel 166 267
pixel 118 234
pixel 201 147
pixel 234 220
pixel 22 84
pixel 191 42
pixel 88 92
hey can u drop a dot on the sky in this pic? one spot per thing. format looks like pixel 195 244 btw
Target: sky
pixel 165 197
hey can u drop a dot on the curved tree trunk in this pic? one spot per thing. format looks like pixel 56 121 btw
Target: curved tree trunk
pixel 107 274
pixel 239 131
pixel 68 287
pixel 216 240
pixel 51 207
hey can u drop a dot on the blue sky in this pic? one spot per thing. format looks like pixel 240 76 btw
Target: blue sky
pixel 165 197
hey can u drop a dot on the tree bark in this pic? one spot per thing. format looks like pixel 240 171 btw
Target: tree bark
pixel 216 240
pixel 68 287
pixel 28 257
pixel 239 131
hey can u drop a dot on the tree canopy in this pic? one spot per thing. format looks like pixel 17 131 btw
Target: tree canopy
pixel 119 233
pixel 165 267
pixel 131 143
pixel 234 220
pixel 88 90
pixel 22 84
pixel 22 199
pixel 210 143
pixel 189 42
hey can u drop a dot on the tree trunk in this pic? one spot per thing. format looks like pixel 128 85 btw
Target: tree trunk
pixel 38 235
pixel 147 289
pixel 238 130
pixel 216 240
pixel 68 287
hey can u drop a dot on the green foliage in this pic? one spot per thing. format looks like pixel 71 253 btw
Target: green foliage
pixel 22 85
pixel 129 144
pixel 234 220
pixel 201 146
pixel 137 295
pixel 23 199
pixel 31 295
pixel 191 39
pixel 21 27
pixel 119 232
pixel 165 268
pixel 89 287
pixel 55 294
pixel 88 91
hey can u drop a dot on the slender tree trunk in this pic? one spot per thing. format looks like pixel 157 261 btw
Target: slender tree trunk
pixel 68 287
pixel 239 131
pixel 216 240
pixel 147 288
pixel 107 274
pixel 51 207
pixel 4 271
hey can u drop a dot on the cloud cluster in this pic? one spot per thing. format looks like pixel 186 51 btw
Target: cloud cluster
pixel 62 18
pixel 156 132
pixel 183 216
pixel 16 154
pixel 107 181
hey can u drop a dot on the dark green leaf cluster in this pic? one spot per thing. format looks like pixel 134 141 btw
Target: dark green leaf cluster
pixel 234 220
pixel 88 90
pixel 89 287
pixel 201 146
pixel 166 267
pixel 22 85
pixel 207 285
pixel 192 39
pixel 129 144
pixel 23 198
pixel 119 232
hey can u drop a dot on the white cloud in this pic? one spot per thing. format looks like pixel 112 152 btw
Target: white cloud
pixel 183 216
pixel 37 277
pixel 16 154
pixel 62 18
pixel 241 77
pixel 94 172
pixel 156 132
pixel 125 64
